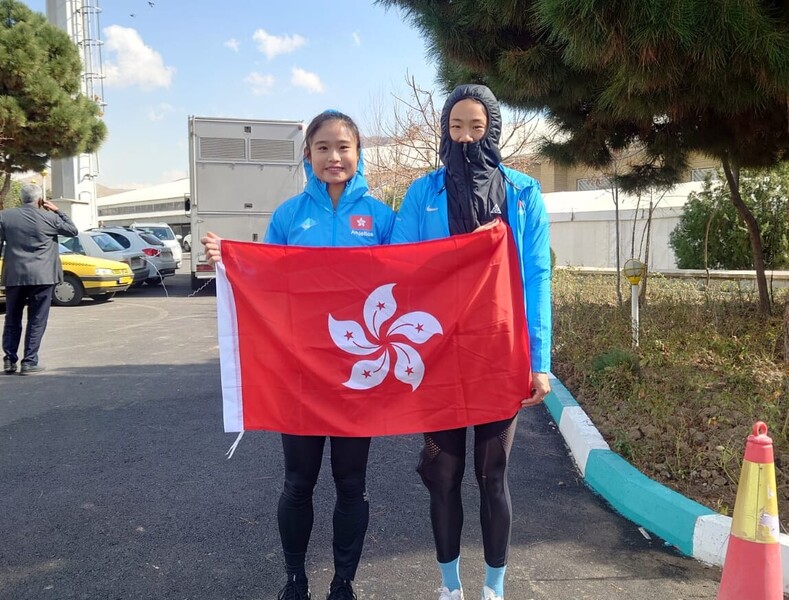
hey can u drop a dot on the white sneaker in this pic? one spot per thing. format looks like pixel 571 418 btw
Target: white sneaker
pixel 489 594
pixel 445 594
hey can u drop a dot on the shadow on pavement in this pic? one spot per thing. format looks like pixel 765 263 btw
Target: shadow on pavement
pixel 116 486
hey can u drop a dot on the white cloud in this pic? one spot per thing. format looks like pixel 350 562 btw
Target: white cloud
pixel 260 84
pixel 304 79
pixel 157 113
pixel 272 45
pixel 233 44
pixel 131 62
pixel 357 41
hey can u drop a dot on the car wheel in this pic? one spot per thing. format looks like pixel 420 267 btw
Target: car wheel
pixel 68 292
pixel 153 280
pixel 187 247
pixel 101 298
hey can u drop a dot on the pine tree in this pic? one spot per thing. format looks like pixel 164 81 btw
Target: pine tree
pixel 674 77
pixel 43 115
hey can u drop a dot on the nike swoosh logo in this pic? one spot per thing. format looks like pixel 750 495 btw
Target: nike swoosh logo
pixel 432 208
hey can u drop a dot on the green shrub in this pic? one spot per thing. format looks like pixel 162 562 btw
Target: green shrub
pixel 614 359
pixel 728 244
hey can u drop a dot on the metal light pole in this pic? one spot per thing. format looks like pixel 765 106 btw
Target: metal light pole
pixel 72 181
pixel 634 271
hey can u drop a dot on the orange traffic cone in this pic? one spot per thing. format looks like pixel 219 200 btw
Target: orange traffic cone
pixel 752 569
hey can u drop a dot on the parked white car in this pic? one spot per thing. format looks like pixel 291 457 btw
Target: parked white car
pixel 159 257
pixel 165 234
pixel 187 242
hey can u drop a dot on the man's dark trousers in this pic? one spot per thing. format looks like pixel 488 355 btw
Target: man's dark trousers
pixel 38 299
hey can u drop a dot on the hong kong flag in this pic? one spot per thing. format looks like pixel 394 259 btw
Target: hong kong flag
pixel 370 341
pixel 363 222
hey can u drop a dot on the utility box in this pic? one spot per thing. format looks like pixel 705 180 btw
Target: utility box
pixel 240 170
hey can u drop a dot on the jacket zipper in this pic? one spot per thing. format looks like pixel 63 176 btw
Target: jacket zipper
pixel 334 227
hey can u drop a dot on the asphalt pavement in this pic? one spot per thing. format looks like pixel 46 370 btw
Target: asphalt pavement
pixel 114 485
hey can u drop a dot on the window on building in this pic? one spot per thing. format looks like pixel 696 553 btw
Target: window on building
pixel 702 174
pixel 593 183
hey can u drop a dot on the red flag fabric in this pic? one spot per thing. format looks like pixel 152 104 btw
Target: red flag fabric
pixel 367 341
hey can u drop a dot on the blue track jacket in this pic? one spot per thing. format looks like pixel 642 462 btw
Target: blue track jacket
pixel 310 218
pixel 423 216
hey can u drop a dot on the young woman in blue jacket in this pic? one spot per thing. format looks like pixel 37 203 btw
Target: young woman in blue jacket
pixel 471 189
pixel 321 216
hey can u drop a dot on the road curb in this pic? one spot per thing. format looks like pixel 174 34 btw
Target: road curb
pixel 692 528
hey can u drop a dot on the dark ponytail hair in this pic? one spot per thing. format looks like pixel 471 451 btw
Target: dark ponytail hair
pixel 331 115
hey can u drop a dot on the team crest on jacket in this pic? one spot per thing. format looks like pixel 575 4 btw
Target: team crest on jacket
pixel 386 343
pixel 362 225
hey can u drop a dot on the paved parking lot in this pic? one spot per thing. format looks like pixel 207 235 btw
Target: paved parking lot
pixel 115 485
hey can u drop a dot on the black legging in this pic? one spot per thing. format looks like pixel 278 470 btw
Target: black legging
pixel 441 465
pixel 303 455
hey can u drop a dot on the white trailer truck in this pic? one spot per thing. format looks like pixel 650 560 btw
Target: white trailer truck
pixel 240 170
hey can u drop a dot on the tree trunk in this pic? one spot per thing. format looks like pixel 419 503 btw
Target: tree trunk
pixel 635 222
pixel 615 192
pixel 643 296
pixel 733 178
pixel 4 189
pixel 707 242
pixel 786 332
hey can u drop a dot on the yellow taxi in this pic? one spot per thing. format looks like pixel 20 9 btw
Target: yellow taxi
pixel 83 276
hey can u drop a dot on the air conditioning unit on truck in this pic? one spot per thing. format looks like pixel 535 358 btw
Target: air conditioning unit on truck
pixel 240 170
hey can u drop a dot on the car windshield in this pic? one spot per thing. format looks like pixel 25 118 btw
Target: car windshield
pixel 71 244
pixel 64 250
pixel 106 243
pixel 163 233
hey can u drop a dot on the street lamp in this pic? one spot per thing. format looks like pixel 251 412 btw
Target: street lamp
pixel 634 270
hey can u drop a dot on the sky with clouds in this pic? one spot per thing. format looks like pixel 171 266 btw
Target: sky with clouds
pixel 165 60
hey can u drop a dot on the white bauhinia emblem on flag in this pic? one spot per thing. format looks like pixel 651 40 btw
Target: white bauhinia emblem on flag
pixel 416 327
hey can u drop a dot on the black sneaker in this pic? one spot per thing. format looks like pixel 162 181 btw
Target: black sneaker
pixel 294 591
pixel 8 366
pixel 28 369
pixel 341 591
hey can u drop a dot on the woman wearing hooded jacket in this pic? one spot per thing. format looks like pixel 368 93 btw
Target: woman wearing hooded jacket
pixel 471 189
pixel 336 191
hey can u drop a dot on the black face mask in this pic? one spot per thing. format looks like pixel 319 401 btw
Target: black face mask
pixel 474 182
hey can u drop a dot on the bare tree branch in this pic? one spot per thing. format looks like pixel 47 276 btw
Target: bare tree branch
pixel 406 144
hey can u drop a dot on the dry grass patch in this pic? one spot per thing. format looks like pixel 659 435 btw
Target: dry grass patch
pixel 679 408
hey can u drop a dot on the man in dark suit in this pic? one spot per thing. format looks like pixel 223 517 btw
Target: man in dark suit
pixel 31 268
